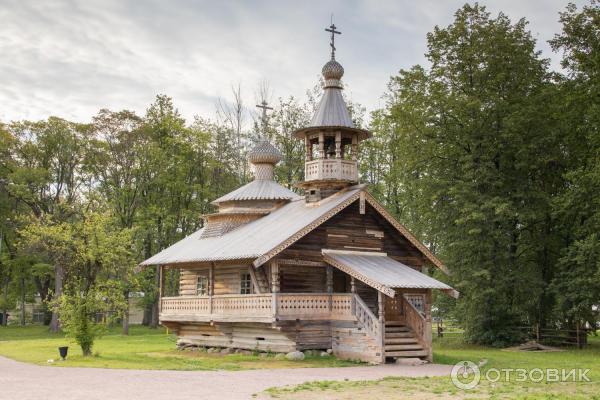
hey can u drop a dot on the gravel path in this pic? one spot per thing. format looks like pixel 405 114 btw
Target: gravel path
pixel 25 381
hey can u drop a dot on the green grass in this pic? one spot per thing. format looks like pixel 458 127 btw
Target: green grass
pixel 450 351
pixel 144 348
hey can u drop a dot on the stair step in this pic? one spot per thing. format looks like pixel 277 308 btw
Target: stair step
pixel 391 335
pixel 409 353
pixel 392 329
pixel 401 347
pixel 394 323
pixel 406 340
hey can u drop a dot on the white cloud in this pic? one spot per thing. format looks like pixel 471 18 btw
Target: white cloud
pixel 71 58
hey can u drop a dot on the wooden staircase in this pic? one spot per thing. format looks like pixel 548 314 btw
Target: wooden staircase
pixel 400 342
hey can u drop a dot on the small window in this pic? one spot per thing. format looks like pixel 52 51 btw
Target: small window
pixel 202 285
pixel 245 284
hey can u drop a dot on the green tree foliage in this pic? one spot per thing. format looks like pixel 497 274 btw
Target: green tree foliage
pixel 474 162
pixel 577 284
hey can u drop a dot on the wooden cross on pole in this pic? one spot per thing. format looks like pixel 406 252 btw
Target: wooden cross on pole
pixel 265 106
pixel 332 29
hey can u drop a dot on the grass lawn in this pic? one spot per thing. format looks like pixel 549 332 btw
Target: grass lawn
pixel 439 388
pixel 144 348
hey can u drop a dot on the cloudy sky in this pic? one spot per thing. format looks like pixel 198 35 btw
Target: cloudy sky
pixel 71 58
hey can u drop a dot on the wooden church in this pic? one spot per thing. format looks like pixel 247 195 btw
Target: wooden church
pixel 275 271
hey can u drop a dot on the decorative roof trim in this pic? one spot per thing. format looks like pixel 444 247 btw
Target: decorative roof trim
pixel 378 207
pixel 406 233
pixel 307 229
pixel 388 291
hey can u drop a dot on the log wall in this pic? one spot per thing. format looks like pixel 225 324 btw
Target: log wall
pixel 227 279
pixel 350 230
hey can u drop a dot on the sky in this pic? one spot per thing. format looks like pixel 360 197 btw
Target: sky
pixel 72 58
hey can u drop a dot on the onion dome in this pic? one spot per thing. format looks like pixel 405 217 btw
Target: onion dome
pixel 264 153
pixel 332 70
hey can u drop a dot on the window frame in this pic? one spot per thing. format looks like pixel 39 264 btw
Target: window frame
pixel 204 280
pixel 246 286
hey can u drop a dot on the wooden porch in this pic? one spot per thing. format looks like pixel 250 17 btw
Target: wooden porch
pixel 399 327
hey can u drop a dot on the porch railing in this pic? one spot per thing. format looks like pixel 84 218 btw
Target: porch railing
pixel 337 306
pixel 365 316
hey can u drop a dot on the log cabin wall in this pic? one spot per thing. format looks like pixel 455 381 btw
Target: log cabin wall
pixel 227 279
pixel 301 279
pixel 350 230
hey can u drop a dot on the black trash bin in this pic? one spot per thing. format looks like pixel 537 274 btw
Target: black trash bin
pixel 63 352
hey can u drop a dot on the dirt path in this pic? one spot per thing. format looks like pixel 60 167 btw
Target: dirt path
pixel 25 381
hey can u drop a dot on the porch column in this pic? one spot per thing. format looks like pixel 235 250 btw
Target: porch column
pixel 275 286
pixel 308 148
pixel 381 312
pixel 211 286
pixel 352 285
pixel 330 285
pixel 427 337
pixel 161 287
pixel 338 144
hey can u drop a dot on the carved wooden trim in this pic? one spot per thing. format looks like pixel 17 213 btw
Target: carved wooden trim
pixel 304 231
pixel 304 263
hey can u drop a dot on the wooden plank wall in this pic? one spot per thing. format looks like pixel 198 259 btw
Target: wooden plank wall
pixel 247 336
pixel 227 279
pixel 300 279
pixel 350 230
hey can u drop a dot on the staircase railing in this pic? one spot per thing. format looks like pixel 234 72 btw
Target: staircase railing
pixel 415 320
pixel 367 319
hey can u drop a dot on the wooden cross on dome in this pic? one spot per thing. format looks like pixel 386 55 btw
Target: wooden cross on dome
pixel 332 29
pixel 265 106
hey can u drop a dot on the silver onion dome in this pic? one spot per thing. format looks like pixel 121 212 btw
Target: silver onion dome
pixel 264 153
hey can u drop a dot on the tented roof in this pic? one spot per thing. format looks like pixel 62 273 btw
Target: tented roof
pixel 259 189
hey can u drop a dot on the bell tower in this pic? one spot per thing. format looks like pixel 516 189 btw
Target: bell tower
pixel 331 139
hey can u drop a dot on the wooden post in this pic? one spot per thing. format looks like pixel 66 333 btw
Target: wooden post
pixel 381 312
pixel 354 146
pixel 211 286
pixel 352 285
pixel 427 336
pixel 321 145
pixel 338 144
pixel 275 286
pixel 308 148
pixel 330 285
pixel 160 287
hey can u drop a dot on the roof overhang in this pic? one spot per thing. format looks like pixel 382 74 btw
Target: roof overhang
pixel 382 272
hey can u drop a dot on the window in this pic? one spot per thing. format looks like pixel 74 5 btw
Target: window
pixel 245 284
pixel 202 285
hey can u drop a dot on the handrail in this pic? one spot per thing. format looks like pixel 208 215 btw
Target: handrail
pixel 414 319
pixel 366 317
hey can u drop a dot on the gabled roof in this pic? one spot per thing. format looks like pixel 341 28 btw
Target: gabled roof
pixel 264 238
pixel 257 238
pixel 259 189
pixel 381 272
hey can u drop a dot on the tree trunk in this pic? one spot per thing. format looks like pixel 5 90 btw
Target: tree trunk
pixel 22 284
pixel 5 311
pixel 58 284
pixel 126 314
pixel 147 315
